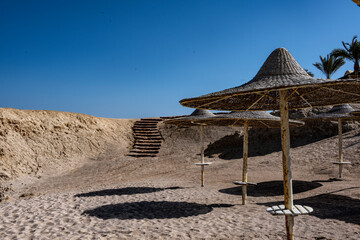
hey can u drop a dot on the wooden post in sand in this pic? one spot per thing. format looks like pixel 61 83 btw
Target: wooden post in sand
pixel 340 147
pixel 202 154
pixel 245 156
pixel 286 160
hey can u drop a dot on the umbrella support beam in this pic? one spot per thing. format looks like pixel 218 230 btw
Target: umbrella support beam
pixel 340 147
pixel 340 161
pixel 202 164
pixel 286 161
pixel 245 156
pixel 202 155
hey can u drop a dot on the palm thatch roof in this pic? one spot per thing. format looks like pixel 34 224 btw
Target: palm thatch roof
pixel 337 112
pixel 260 119
pixel 357 2
pixel 280 72
pixel 196 118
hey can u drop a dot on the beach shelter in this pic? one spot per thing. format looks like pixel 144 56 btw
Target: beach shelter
pixel 355 113
pixel 259 119
pixel 281 84
pixel 199 118
pixel 339 113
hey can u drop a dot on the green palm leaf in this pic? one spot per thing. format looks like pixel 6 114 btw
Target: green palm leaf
pixel 350 52
pixel 329 64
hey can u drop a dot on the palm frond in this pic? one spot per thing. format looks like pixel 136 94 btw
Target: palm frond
pixel 308 72
pixel 350 52
pixel 329 64
pixel 338 52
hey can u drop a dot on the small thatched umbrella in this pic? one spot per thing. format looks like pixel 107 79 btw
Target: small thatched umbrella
pixel 338 113
pixel 281 84
pixel 260 119
pixel 199 118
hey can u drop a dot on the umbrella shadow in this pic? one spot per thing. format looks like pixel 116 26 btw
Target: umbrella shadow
pixel 330 206
pixel 124 191
pixel 266 141
pixel 152 210
pixel 272 188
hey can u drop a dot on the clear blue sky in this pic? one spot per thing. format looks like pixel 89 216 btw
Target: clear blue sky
pixel 132 59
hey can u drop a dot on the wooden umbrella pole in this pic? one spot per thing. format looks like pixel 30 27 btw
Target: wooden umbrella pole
pixel 286 160
pixel 245 156
pixel 340 147
pixel 202 154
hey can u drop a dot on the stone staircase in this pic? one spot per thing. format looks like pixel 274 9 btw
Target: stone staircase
pixel 147 138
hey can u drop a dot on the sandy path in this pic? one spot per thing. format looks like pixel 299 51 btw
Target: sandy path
pixel 169 209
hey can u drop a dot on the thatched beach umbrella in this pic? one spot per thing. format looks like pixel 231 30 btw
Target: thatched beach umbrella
pixel 260 119
pixel 355 113
pixel 338 113
pixel 199 118
pixel 281 84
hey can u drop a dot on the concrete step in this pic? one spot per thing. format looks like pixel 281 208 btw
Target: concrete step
pixel 141 141
pixel 147 131
pixel 146 144
pixel 142 124
pixel 138 155
pixel 147 138
pixel 146 148
pixel 151 119
pixel 144 151
pixel 146 122
pixel 147 134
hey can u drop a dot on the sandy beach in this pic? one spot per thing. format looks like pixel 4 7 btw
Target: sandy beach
pixel 115 196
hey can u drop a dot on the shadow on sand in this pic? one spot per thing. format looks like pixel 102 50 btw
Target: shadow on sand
pixel 152 210
pixel 330 206
pixel 266 141
pixel 124 191
pixel 272 188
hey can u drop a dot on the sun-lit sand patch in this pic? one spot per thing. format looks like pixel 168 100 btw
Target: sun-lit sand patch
pixel 120 197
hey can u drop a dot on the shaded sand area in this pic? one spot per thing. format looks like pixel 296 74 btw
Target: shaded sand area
pixel 114 196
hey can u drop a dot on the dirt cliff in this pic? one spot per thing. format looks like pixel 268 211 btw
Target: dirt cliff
pixel 38 142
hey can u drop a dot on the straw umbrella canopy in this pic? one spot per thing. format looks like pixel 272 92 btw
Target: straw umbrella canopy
pixel 246 119
pixel 199 118
pixel 338 113
pixel 260 119
pixel 281 84
pixel 355 113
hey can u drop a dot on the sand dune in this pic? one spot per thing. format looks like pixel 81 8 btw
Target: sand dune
pixel 36 142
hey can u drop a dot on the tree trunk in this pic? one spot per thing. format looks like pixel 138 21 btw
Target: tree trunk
pixel 356 69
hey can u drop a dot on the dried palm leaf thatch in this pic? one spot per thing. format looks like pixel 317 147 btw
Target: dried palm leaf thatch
pixel 343 112
pixel 196 118
pixel 280 72
pixel 259 119
pixel 281 84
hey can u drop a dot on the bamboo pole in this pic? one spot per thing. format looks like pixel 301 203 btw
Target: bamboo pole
pixel 202 154
pixel 340 147
pixel 286 160
pixel 245 156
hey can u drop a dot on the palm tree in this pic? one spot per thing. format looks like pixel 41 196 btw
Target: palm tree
pixel 308 72
pixel 329 64
pixel 351 52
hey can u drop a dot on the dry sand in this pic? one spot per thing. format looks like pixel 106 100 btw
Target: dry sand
pixel 120 197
